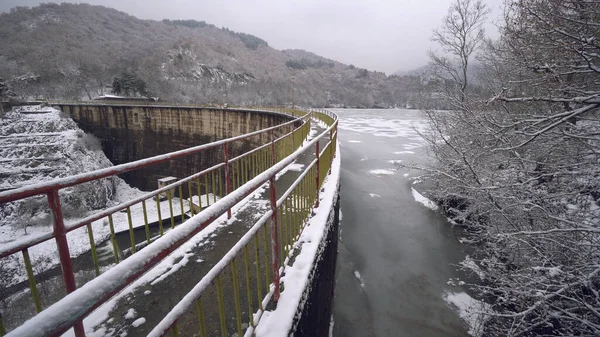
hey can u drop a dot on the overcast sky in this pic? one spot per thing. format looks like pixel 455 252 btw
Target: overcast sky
pixel 378 35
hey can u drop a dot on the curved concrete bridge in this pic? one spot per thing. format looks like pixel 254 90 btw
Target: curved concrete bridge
pixel 243 240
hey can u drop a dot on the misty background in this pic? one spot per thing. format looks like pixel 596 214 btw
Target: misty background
pixel 385 36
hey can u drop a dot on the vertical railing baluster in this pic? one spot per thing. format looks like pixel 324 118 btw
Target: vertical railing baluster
pixel 274 238
pixel 170 197
pixel 290 219
pixel 221 307
pixel 280 237
pixel 113 239
pixel 190 194
pixel 146 225
pixel 236 297
pixel 160 223
pixel 317 176
pixel 201 319
pixel 32 284
pixel 266 249
pixel 227 178
pixel 131 234
pixel 220 183
pixel 206 189
pixel 93 248
pixel 199 194
pixel 257 264
pixel 248 285
pixel 214 188
pixel 181 202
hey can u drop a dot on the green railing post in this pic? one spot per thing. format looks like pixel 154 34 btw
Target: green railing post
pixel 32 285
pixel 93 248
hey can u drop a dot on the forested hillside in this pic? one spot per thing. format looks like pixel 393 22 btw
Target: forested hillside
pixel 75 51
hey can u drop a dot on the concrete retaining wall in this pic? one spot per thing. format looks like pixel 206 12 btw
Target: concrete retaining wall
pixel 132 132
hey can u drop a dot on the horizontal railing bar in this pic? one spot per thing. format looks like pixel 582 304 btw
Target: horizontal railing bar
pixel 18 245
pixel 62 315
pixel 40 188
pixel 141 198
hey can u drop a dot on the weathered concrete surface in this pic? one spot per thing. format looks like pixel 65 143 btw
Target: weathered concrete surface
pixel 132 132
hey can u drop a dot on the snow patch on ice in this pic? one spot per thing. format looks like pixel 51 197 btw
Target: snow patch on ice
pixel 405 175
pixel 382 172
pixel 426 202
pixel 373 195
pixel 354 141
pixel 470 310
pixel 357 275
pixel 404 152
pixel 395 161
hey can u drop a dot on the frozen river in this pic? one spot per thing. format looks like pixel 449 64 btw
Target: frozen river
pixel 396 256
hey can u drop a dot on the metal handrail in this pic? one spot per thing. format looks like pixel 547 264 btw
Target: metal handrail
pixel 60 229
pixel 170 321
pixel 70 310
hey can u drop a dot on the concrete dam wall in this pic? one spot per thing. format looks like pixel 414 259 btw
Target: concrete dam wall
pixel 133 132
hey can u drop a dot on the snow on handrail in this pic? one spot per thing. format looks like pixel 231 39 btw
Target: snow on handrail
pixel 71 309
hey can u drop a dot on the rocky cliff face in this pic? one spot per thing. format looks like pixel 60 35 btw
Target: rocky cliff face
pixel 39 144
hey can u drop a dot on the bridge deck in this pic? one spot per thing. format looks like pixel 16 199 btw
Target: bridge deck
pixel 146 301
pixel 152 296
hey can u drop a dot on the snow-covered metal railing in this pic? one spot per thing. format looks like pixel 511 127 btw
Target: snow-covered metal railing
pixel 284 223
pixel 222 178
pixel 286 219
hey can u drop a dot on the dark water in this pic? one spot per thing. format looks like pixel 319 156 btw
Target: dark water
pixel 404 252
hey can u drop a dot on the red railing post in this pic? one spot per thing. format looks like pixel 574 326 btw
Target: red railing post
pixel 60 235
pixel 317 175
pixel 274 238
pixel 227 178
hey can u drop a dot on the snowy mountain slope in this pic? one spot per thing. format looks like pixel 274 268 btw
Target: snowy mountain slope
pixel 39 144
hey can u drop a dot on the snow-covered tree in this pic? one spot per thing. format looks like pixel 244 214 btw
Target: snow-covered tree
pixel 519 166
pixel 460 36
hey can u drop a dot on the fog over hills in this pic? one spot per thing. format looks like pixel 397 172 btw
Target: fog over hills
pixel 85 47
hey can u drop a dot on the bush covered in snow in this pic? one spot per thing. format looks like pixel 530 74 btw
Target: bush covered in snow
pixel 519 163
